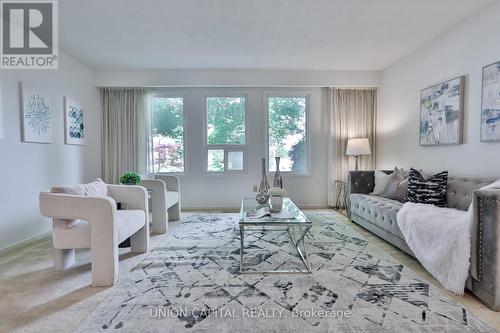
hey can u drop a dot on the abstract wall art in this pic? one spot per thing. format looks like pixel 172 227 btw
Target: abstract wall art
pixel 441 112
pixel 37 115
pixel 490 103
pixel 74 122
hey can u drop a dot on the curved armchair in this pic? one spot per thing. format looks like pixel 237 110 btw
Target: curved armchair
pixel 100 227
pixel 165 201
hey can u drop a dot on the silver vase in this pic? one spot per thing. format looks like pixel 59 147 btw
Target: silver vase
pixel 263 196
pixel 278 181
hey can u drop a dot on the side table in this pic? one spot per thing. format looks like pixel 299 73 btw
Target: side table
pixel 341 201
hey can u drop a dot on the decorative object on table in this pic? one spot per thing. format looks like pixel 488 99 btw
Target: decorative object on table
pixel 357 147
pixel 490 103
pixel 278 181
pixel 37 115
pixel 74 123
pixel 263 197
pixel 276 195
pixel 341 201
pixel 130 178
pixel 441 113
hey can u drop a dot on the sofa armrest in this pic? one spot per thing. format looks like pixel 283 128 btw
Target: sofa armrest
pixel 487 202
pixel 133 196
pixel 100 213
pixel 67 206
pixel 172 182
pixel 361 181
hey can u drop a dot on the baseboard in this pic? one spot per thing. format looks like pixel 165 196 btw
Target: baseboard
pixel 24 242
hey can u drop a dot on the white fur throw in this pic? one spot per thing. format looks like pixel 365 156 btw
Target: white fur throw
pixel 440 239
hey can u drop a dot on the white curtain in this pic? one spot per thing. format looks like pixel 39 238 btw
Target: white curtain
pixel 125 132
pixel 353 114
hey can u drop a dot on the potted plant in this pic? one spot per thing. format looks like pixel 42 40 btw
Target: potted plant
pixel 130 178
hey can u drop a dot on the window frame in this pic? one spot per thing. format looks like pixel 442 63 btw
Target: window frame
pixel 302 93
pixel 225 147
pixel 184 160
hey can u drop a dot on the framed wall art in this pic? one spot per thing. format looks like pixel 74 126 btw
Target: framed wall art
pixel 37 115
pixel 441 113
pixel 74 122
pixel 490 103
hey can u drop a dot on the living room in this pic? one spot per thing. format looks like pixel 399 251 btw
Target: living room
pixel 177 166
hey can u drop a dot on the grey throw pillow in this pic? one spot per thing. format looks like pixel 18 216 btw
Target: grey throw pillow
pixel 396 188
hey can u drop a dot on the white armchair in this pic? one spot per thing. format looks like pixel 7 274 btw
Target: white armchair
pixel 165 201
pixel 100 227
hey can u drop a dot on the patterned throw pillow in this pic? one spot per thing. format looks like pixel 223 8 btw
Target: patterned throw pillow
pixel 430 190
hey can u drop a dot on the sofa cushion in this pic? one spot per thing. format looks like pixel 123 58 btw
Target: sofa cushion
pixel 77 237
pixel 172 198
pixel 128 222
pixel 396 188
pixel 431 190
pixel 377 210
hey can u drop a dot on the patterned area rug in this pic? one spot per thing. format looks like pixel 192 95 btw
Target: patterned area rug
pixel 191 283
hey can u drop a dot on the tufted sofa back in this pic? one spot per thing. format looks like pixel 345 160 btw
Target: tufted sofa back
pixel 460 191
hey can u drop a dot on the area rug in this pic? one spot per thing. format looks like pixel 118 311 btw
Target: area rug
pixel 191 283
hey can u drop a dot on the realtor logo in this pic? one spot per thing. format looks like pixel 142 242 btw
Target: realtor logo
pixel 29 38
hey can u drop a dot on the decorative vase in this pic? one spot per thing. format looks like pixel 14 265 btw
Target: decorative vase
pixel 278 181
pixel 263 197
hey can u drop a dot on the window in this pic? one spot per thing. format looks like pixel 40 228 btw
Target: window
pixel 168 134
pixel 226 134
pixel 287 133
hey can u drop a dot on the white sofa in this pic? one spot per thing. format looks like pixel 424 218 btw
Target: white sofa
pixel 97 224
pixel 165 201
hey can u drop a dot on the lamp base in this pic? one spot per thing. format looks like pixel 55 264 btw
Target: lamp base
pixel 356 157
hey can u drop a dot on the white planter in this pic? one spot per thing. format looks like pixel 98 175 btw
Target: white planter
pixel 276 203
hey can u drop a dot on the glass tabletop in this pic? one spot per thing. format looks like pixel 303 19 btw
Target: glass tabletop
pixel 250 205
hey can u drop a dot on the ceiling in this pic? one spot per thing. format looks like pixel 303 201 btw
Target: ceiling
pixel 250 34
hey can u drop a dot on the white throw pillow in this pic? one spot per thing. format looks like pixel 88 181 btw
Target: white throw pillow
pixel 381 180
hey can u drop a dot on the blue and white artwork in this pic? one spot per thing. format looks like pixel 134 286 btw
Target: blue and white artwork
pixel 74 122
pixel 37 115
pixel 490 108
pixel 441 109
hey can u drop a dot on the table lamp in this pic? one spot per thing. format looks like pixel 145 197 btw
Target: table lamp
pixel 357 147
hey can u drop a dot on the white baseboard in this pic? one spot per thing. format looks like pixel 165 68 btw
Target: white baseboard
pixel 24 242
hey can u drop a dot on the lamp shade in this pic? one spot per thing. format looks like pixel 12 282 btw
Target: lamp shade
pixel 358 147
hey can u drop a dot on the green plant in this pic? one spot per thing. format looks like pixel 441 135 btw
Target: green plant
pixel 130 178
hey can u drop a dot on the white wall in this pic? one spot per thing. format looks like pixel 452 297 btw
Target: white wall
pixel 201 190
pixel 28 168
pixel 235 77
pixel 208 190
pixel 463 50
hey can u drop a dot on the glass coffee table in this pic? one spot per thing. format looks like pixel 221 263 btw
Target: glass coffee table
pixel 296 224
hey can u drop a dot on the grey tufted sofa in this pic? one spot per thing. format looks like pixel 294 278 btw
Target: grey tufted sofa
pixel 378 215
